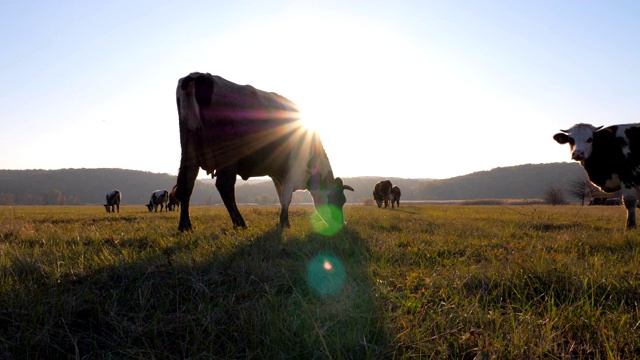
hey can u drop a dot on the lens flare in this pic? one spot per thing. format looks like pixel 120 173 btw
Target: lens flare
pixel 327 220
pixel 325 274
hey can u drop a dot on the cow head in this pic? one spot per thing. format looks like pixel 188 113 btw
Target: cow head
pixel 580 139
pixel 150 206
pixel 329 204
pixel 107 207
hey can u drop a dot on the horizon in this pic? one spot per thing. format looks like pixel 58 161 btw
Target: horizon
pixel 418 89
pixel 266 178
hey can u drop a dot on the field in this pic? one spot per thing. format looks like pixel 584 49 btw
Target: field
pixel 441 282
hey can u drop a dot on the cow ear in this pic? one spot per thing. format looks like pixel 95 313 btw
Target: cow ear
pixel 561 138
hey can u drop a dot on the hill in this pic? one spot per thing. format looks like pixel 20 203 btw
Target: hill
pixel 516 182
pixel 85 186
pixel 89 186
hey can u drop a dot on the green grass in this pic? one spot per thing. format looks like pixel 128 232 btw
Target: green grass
pixel 457 282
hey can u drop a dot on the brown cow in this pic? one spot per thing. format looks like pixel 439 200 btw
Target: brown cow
pixel 394 196
pixel 173 199
pixel 229 130
pixel 381 192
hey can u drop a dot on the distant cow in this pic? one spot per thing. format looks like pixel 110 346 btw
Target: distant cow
pixel 381 192
pixel 611 157
pixel 173 199
pixel 158 198
pixel 113 201
pixel 229 130
pixel 394 196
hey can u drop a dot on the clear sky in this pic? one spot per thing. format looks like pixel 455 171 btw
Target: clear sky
pixel 417 89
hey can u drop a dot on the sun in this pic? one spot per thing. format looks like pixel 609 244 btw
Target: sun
pixel 310 121
pixel 315 115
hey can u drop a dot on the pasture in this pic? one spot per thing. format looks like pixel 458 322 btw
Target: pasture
pixel 442 282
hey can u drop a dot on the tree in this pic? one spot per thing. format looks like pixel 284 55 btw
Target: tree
pixel 554 195
pixel 580 189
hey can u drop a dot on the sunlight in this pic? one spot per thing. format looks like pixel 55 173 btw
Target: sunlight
pixel 310 121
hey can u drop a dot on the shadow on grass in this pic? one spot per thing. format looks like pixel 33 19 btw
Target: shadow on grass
pixel 272 296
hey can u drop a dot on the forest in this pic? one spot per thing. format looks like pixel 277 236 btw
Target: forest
pixel 89 186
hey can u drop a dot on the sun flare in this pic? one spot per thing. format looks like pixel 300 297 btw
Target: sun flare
pixel 309 121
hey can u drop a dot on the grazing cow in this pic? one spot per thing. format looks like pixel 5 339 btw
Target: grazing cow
pixel 173 199
pixel 381 192
pixel 229 130
pixel 611 157
pixel 394 196
pixel 158 197
pixel 113 201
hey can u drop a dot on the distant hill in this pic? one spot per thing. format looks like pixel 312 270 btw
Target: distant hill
pixel 516 182
pixel 85 186
pixel 89 186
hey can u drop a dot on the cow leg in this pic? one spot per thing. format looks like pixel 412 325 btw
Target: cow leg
pixel 226 183
pixel 285 194
pixel 278 185
pixel 630 199
pixel 186 180
pixel 284 204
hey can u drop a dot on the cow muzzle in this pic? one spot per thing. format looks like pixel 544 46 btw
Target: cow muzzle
pixel 577 155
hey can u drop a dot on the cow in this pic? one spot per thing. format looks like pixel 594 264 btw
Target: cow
pixel 158 197
pixel 381 192
pixel 611 157
pixel 394 196
pixel 113 201
pixel 173 199
pixel 232 130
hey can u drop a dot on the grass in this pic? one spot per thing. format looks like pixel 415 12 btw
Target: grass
pixel 456 282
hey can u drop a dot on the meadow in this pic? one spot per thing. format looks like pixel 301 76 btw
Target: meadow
pixel 441 282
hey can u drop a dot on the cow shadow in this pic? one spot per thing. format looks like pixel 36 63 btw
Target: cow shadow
pixel 273 295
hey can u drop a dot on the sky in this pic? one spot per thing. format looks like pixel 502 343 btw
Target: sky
pixel 412 89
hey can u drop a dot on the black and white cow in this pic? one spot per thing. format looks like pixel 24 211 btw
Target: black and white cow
pixel 158 197
pixel 394 196
pixel 228 130
pixel 173 200
pixel 611 157
pixel 113 201
pixel 381 191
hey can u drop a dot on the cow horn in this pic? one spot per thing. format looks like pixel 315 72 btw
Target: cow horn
pixel 565 131
pixel 347 187
pixel 599 127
